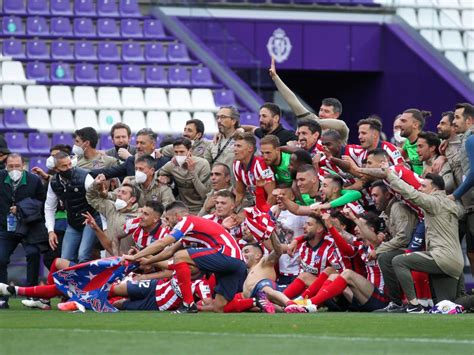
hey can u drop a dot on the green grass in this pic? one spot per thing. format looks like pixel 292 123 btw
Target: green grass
pixel 24 331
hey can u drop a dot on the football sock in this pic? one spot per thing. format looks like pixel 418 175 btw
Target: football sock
pixel 295 288
pixel 313 289
pixel 239 304
pixel 183 274
pixel 47 291
pixel 333 289
pixel 52 270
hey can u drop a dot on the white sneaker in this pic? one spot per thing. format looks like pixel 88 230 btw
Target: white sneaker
pixel 37 303
pixel 4 290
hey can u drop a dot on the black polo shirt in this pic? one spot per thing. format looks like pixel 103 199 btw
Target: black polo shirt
pixel 283 135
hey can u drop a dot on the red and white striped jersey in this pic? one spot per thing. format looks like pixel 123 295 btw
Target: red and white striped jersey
pixel 318 148
pixel 198 232
pixel 412 179
pixel 141 238
pixel 168 294
pixel 236 232
pixel 359 154
pixel 372 269
pixel 256 170
pixel 213 217
pixel 315 259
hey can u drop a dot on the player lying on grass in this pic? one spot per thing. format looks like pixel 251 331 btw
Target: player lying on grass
pixel 365 293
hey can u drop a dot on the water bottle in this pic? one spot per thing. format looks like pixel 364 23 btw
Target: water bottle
pixel 11 222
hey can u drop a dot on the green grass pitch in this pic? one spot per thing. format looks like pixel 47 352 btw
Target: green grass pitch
pixel 24 331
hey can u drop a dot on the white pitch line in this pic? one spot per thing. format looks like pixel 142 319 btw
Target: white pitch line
pixel 258 335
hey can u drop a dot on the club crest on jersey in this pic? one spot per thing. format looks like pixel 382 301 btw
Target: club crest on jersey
pixel 279 45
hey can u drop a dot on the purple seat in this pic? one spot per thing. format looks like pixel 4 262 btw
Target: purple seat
pixel 14 48
pixel 107 8
pixel 2 125
pixel 61 138
pixel 108 74
pixel 132 52
pixel 61 50
pixel 84 8
pixel 37 50
pixel 84 28
pixel 108 52
pixel 179 76
pixel 61 73
pixel 132 74
pixel 17 142
pixel 85 51
pixel 156 75
pixel 13 26
pixel 39 162
pixel 15 119
pixel 224 98
pixel 177 52
pixel 85 73
pixel 60 7
pixel 37 26
pixel 201 77
pixel 249 118
pixel 129 8
pixel 38 7
pixel 155 52
pixel 38 143
pixel 153 28
pixel 106 141
pixel 107 28
pixel 131 28
pixel 61 27
pixel 37 71
pixel 14 7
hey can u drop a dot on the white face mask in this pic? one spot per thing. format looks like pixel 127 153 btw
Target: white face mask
pixel 74 161
pixel 140 177
pixel 120 204
pixel 50 163
pixel 180 159
pixel 398 137
pixel 15 175
pixel 78 151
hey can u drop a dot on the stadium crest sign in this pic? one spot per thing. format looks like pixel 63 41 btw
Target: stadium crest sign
pixel 279 45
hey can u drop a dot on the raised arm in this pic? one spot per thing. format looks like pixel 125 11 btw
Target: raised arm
pixel 274 256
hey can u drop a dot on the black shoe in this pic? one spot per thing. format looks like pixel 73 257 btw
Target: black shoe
pixel 391 308
pixel 186 309
pixel 415 308
pixel 4 305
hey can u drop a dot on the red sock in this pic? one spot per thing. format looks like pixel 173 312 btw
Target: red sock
pixel 48 291
pixel 183 274
pixel 238 304
pixel 295 288
pixel 52 270
pixel 313 289
pixel 422 284
pixel 335 288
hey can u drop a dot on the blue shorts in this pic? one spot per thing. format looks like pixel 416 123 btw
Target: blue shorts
pixel 141 296
pixel 376 301
pixel 230 272
pixel 261 284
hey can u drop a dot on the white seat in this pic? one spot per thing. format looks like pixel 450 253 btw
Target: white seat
pixel 158 121
pixel 433 37
pixel 425 3
pixel 13 96
pixel 86 118
pixel 471 76
pixel 409 15
pixel 428 18
pixel 457 58
pixel 446 4
pixel 109 97
pixel 62 121
pixel 404 3
pixel 202 99
pixel 451 39
pixel 178 121
pixel 107 118
pixel 468 19
pixel 85 97
pixel 156 99
pixel 209 120
pixel 450 18
pixel 180 99
pixel 13 72
pixel 38 118
pixel 470 61
pixel 37 96
pixel 61 96
pixel 132 98
pixel 135 119
pixel 468 40
pixel 466 4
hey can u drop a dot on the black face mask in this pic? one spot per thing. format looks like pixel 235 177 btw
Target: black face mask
pixel 66 174
pixel 118 147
